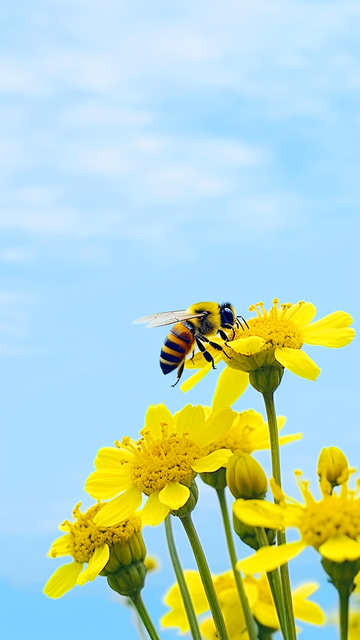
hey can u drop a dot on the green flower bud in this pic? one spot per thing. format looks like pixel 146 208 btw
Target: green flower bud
pixel 190 505
pixel 333 469
pixel 216 479
pixel 245 477
pixel 129 580
pixel 266 379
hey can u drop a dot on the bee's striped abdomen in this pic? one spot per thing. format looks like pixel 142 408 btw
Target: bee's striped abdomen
pixel 178 343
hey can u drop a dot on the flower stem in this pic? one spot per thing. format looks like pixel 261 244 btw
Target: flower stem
pixel 205 576
pixel 265 633
pixel 275 585
pixel 250 623
pixel 275 459
pixel 344 612
pixel 143 613
pixel 184 590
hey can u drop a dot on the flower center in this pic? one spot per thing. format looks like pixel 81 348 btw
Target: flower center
pixel 333 516
pixel 164 460
pixel 273 326
pixel 86 536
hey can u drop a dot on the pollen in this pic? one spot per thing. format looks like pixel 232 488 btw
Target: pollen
pixel 333 516
pixel 165 460
pixel 86 535
pixel 273 326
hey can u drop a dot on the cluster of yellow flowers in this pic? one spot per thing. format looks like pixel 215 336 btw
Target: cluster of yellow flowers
pixel 152 479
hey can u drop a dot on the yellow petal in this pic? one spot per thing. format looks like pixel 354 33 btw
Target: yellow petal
pixel 290 438
pixel 107 483
pixel 247 346
pixel 96 564
pixel 305 590
pixel 335 320
pixel 156 414
pixel 111 457
pixel 301 314
pixel 60 547
pixel 308 611
pixel 154 511
pixel 199 375
pixel 119 508
pixel 63 580
pixel 230 386
pixel 198 361
pixel 331 338
pixel 190 418
pixel 216 426
pixel 269 558
pixel 265 613
pixel 213 461
pixel 340 548
pixel 260 513
pixel 297 362
pixel 174 495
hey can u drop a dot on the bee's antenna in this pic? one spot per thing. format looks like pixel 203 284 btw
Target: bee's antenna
pixel 244 321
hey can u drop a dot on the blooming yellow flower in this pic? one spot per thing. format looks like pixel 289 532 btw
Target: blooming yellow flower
pixel 331 525
pixel 90 544
pixel 276 336
pixel 161 465
pixel 260 600
pixel 249 432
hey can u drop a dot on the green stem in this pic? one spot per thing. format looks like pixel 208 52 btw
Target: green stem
pixel 184 590
pixel 275 459
pixel 250 623
pixel 275 585
pixel 142 611
pixel 265 633
pixel 344 612
pixel 205 576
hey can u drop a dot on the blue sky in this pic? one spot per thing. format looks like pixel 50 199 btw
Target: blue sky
pixel 153 155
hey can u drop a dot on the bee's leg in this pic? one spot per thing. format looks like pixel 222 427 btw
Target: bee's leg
pixel 215 345
pixel 179 373
pixel 208 357
pixel 192 356
pixel 222 335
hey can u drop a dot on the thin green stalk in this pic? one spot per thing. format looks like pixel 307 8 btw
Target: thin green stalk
pixel 143 613
pixel 344 612
pixel 275 585
pixel 275 459
pixel 184 590
pixel 250 623
pixel 205 576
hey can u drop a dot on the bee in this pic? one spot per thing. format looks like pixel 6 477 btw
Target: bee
pixel 192 327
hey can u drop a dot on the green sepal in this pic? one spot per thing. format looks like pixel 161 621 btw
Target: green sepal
pixel 267 379
pixel 216 479
pixel 129 580
pixel 190 505
pixel 342 574
pixel 248 535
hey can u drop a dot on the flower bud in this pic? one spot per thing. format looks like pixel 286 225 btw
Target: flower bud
pixel 333 469
pixel 216 479
pixel 125 553
pixel 245 477
pixel 190 504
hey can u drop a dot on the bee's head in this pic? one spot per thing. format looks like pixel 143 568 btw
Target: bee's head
pixel 227 315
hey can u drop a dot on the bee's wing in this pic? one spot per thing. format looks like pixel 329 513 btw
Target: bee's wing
pixel 167 317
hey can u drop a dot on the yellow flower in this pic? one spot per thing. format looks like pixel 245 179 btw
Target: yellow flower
pixel 260 600
pixel 90 544
pixel 161 465
pixel 249 432
pixel 276 336
pixel 331 525
pixel 354 625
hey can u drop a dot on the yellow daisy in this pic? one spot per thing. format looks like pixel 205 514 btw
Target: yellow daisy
pixel 330 525
pixel 260 600
pixel 276 336
pixel 91 545
pixel 250 432
pixel 161 465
